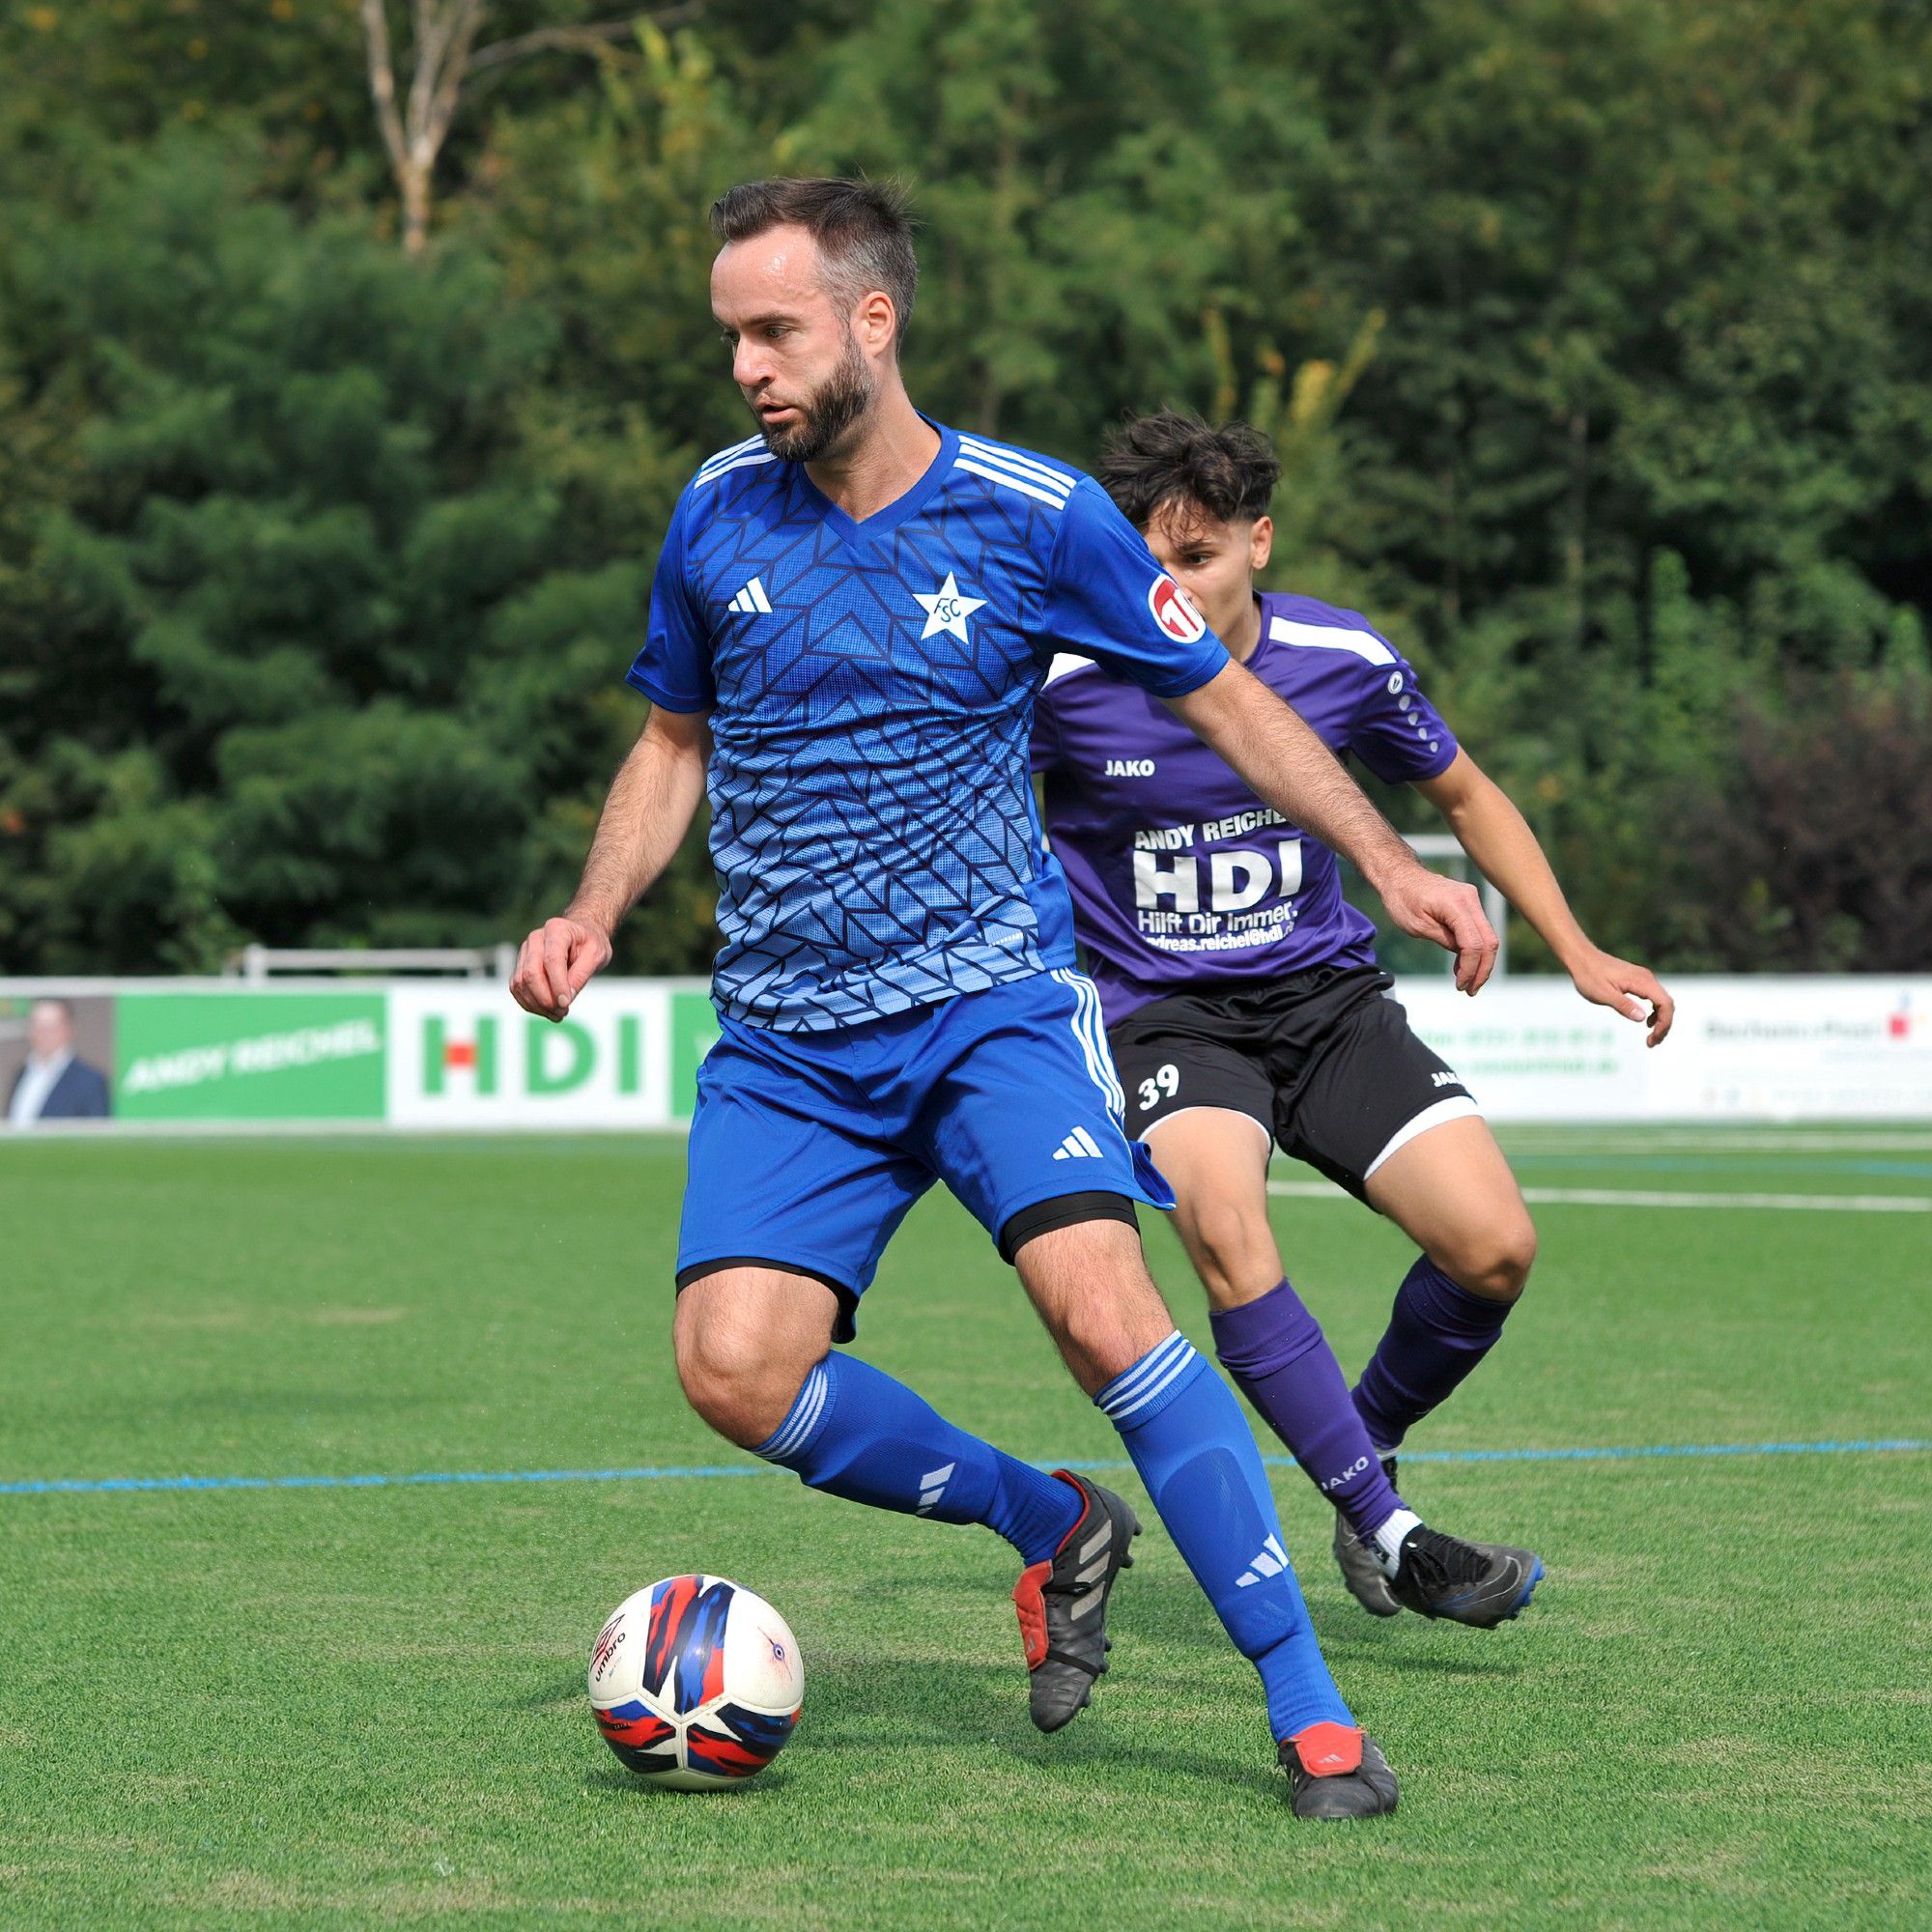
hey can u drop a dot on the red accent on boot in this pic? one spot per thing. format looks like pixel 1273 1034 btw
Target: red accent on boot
pixel 1328 1750
pixel 1027 1601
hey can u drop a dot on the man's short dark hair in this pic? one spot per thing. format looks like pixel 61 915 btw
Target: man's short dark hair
pixel 1226 476
pixel 863 230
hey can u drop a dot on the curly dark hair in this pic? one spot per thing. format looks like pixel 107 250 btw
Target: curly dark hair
pixel 1226 474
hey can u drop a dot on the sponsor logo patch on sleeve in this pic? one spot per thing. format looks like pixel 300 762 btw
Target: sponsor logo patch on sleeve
pixel 1174 612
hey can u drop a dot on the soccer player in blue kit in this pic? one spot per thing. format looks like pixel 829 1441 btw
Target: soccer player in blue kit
pixel 852 613
pixel 1244 1006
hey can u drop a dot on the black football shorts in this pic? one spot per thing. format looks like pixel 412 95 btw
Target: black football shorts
pixel 1323 1060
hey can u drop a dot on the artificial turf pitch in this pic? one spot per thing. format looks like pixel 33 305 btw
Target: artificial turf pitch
pixel 365 1706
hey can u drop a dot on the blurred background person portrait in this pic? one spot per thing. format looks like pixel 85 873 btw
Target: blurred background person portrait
pixel 55 1084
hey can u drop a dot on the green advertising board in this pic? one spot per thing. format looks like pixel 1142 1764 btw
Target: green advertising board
pixel 694 1032
pixel 245 1056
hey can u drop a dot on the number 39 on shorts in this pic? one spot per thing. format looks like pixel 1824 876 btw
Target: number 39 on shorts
pixel 1163 1080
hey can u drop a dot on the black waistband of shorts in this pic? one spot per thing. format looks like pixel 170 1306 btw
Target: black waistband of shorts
pixel 1221 1000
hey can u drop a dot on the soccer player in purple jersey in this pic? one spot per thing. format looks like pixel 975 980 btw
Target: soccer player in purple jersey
pixel 1244 1008
pixel 851 616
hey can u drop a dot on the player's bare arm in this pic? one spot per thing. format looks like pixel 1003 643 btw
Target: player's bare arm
pixel 1290 768
pixel 1497 836
pixel 649 808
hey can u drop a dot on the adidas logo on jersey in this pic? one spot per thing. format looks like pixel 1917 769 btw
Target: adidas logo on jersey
pixel 1079 1145
pixel 1269 1560
pixel 752 601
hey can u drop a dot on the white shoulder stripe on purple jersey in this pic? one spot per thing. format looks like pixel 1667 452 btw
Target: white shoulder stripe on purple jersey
pixel 1331 638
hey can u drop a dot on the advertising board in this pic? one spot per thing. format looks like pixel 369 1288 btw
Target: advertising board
pixel 459 1055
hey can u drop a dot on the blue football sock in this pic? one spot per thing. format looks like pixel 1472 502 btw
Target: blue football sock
pixel 1192 1446
pixel 1437 1332
pixel 854 1432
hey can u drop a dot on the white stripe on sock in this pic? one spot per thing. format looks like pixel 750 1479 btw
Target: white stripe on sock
pixel 1160 1387
pixel 1150 1364
pixel 1148 1377
pixel 797 1427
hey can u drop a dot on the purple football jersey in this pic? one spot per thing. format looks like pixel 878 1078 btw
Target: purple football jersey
pixel 1182 877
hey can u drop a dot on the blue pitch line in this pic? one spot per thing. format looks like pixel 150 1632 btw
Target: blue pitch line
pixel 123 1485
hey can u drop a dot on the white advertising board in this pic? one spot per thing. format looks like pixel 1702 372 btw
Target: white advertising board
pixel 1830 1048
pixel 462 1054
pixel 458 1054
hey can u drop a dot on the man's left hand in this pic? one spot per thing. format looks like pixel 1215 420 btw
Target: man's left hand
pixel 1606 980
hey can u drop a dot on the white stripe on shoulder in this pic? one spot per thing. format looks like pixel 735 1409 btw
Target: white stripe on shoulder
pixel 1331 638
pixel 1011 459
pixel 1026 473
pixel 1064 664
pixel 749 460
pixel 1038 492
pixel 719 456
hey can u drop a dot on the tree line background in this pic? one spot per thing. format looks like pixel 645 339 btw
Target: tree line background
pixel 337 432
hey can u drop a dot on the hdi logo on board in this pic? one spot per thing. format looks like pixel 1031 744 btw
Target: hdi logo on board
pixel 556 1059
pixel 467 1056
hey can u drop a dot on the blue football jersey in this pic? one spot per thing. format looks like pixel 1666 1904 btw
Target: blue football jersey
pixel 871 687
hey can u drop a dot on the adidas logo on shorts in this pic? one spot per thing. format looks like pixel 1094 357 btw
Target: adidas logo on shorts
pixel 1079 1145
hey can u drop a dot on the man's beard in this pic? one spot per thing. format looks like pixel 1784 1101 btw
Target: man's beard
pixel 824 419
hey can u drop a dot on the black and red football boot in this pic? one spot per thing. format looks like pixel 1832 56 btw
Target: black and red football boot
pixel 1062 1605
pixel 1335 1770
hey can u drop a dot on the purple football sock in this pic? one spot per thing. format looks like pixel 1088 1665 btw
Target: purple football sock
pixel 1275 1349
pixel 1436 1334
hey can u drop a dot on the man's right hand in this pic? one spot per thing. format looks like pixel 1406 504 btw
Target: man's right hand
pixel 556 965
pixel 1447 911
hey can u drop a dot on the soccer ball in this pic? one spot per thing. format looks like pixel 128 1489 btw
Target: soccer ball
pixel 695 1682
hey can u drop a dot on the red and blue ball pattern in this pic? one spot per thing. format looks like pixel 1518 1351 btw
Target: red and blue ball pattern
pixel 684 1668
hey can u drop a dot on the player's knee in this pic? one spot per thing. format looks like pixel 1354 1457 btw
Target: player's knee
pixel 1104 1335
pixel 1496 1263
pixel 1230 1251
pixel 733 1380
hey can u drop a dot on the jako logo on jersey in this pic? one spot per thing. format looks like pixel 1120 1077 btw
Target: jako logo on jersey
pixel 1444 1079
pixel 1173 613
pixel 1131 768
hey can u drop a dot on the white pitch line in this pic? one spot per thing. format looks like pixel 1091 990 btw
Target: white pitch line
pixel 1622 1197
pixel 1533 1141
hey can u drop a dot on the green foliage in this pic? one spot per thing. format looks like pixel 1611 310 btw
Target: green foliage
pixel 299 556
pixel 1593 337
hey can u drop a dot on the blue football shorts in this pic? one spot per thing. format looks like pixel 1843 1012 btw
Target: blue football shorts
pixel 809 1148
